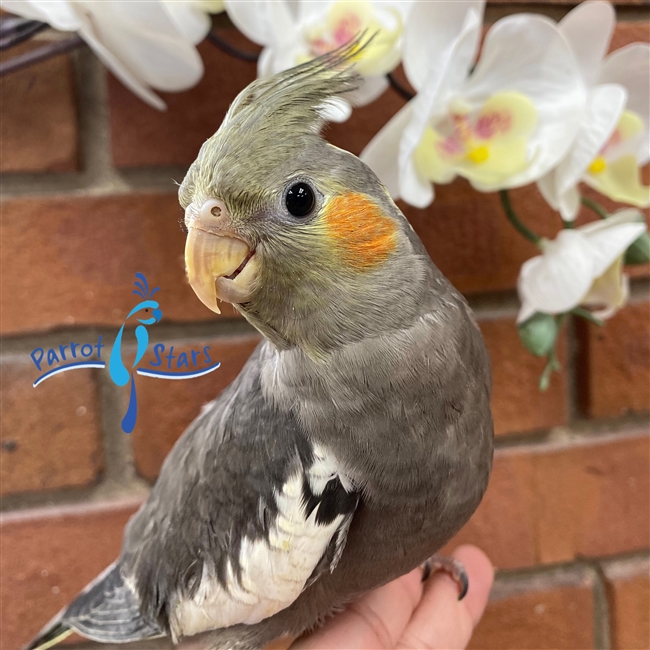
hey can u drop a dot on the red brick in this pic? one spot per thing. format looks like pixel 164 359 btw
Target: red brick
pixel 143 136
pixel 550 611
pixel 630 32
pixel 556 502
pixel 517 403
pixel 181 401
pixel 41 427
pixel 48 556
pixel 470 240
pixel 592 498
pixel 628 591
pixel 615 363
pixel 465 232
pixel 73 260
pixel 38 116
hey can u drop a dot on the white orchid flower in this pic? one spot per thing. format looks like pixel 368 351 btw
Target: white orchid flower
pixel 613 140
pixel 295 32
pixel 146 44
pixel 504 125
pixel 581 267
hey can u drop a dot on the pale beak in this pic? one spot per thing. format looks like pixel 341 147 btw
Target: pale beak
pixel 220 265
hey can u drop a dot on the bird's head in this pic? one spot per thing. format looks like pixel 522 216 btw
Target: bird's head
pixel 298 235
pixel 146 312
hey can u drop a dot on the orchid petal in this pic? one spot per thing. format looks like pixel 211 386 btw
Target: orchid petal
pixel 630 67
pixel 430 162
pixel 121 71
pixel 526 310
pixel 504 153
pixel 253 18
pixel 381 153
pixel 431 31
pixel 145 39
pixel 209 6
pixel 190 21
pixel 567 203
pixel 588 28
pixel 548 189
pixel 370 89
pixel 623 216
pixel 527 54
pixel 604 107
pixel 60 14
pixel 612 240
pixel 621 181
pixel 414 188
pixel 610 291
pixel 555 282
pixel 441 77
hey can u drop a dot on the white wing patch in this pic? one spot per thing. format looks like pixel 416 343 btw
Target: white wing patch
pixel 273 573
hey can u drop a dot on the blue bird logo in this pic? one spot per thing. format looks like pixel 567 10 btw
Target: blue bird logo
pixel 147 312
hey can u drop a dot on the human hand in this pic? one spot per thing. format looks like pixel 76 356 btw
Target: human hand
pixel 410 614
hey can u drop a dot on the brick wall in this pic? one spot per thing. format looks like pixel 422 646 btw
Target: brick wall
pixel 89 198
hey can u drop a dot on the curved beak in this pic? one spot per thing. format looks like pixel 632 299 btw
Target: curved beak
pixel 220 265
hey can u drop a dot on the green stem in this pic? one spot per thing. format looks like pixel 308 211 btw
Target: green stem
pixel 514 219
pixel 587 315
pixel 595 207
pixel 568 225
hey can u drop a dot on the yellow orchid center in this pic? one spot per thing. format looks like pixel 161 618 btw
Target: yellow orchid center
pixel 488 145
pixel 615 171
pixel 598 165
pixel 345 20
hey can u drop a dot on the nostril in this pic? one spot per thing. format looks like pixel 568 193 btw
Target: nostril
pixel 216 211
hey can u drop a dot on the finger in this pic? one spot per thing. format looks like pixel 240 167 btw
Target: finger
pixel 441 620
pixel 375 621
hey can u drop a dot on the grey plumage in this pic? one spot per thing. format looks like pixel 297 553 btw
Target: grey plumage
pixel 361 424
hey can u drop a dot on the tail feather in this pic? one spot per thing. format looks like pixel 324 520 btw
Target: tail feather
pixel 107 610
pixel 55 634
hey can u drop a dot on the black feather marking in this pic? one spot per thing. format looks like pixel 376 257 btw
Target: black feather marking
pixel 335 500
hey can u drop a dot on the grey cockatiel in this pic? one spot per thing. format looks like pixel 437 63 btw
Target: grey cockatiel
pixel 358 437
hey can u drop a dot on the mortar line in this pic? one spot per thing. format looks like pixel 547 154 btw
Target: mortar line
pixel 602 614
pixel 18 345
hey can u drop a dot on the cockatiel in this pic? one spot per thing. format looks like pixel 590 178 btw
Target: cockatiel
pixel 356 440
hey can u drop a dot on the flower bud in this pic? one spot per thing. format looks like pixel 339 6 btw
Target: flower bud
pixel 639 250
pixel 538 333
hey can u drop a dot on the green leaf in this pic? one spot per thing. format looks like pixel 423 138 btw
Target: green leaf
pixel 538 334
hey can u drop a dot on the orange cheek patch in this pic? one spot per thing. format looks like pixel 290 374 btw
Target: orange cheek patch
pixel 360 230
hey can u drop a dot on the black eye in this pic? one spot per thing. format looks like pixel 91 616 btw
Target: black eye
pixel 300 200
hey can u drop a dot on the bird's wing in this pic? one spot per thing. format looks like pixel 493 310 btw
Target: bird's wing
pixel 246 513
pixel 306 526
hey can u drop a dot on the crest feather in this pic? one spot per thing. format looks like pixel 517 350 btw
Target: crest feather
pixel 296 98
pixel 290 102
